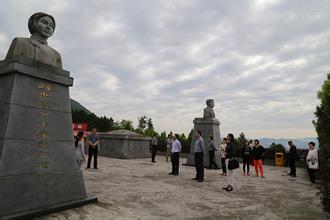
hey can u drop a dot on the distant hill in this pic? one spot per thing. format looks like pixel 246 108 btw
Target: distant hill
pixel 76 106
pixel 301 143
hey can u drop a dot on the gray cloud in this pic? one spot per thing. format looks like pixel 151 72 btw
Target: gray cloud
pixel 262 61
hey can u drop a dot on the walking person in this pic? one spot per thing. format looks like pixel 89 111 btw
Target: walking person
pixel 199 151
pixel 212 150
pixel 258 154
pixel 230 154
pixel 93 140
pixel 246 155
pixel 176 149
pixel 312 160
pixel 79 148
pixel 223 147
pixel 292 159
pixel 169 141
pixel 153 148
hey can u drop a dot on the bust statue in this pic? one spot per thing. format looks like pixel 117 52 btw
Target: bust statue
pixel 41 27
pixel 208 111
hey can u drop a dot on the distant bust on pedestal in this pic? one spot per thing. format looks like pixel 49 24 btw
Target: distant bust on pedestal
pixel 41 27
pixel 208 111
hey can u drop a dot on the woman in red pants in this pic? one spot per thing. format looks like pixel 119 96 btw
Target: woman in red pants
pixel 257 155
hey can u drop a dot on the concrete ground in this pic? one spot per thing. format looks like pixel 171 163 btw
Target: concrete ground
pixel 138 189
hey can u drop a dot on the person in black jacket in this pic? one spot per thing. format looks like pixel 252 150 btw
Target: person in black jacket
pixel 258 155
pixel 246 155
pixel 292 159
pixel 230 153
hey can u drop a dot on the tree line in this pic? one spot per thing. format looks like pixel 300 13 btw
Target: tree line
pixel 145 127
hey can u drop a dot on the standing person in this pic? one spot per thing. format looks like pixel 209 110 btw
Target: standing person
pixel 251 145
pixel 223 147
pixel 258 154
pixel 153 148
pixel 199 151
pixel 169 141
pixel 212 149
pixel 176 149
pixel 79 148
pixel 246 155
pixel 93 140
pixel 230 153
pixel 292 159
pixel 312 160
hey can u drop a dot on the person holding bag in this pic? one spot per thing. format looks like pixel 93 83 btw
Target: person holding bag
pixel 312 160
pixel 231 162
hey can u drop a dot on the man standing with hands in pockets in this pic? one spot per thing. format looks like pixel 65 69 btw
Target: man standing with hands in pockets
pixel 199 156
pixel 93 140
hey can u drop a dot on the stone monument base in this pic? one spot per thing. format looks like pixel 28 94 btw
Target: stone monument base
pixel 38 164
pixel 208 127
pixel 31 214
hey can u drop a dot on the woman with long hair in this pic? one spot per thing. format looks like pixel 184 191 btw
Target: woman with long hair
pixel 230 153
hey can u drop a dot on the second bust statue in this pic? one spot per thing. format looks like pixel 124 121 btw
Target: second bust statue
pixel 208 111
pixel 41 27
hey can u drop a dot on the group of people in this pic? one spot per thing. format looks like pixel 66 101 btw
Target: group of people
pixel 252 153
pixel 93 142
pixel 174 146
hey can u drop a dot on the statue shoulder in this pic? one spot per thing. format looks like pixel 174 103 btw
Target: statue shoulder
pixel 19 47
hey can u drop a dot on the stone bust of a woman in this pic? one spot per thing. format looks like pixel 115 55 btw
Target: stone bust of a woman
pixel 41 27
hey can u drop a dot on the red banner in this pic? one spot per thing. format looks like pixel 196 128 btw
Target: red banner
pixel 80 127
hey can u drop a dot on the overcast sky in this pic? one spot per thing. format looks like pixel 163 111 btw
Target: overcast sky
pixel 262 61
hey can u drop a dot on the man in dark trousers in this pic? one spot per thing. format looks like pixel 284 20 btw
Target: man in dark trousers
pixel 199 151
pixel 93 140
pixel 153 148
pixel 212 149
pixel 175 149
pixel 292 159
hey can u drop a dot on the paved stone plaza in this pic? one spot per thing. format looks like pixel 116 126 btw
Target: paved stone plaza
pixel 137 189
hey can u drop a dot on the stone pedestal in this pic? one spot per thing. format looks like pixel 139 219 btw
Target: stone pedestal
pixel 38 168
pixel 124 144
pixel 208 127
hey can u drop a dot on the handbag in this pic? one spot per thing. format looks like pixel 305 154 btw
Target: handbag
pixel 313 164
pixel 233 164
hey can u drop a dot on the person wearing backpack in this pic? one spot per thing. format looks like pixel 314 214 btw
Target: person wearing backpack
pixel 312 161
pixel 246 155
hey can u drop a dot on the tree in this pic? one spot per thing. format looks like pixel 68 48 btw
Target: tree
pixel 126 124
pixel 150 124
pixel 142 122
pixel 190 136
pixel 322 126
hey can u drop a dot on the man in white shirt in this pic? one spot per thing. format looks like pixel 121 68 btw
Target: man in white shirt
pixel 176 149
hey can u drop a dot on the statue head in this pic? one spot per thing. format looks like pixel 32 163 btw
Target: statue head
pixel 210 103
pixel 42 24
